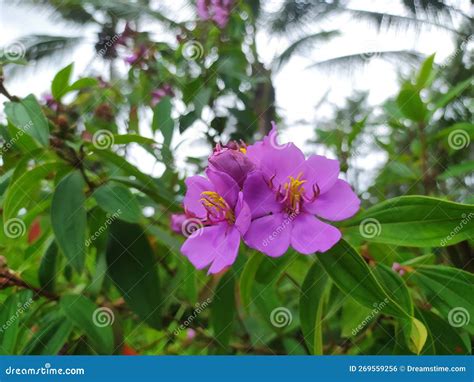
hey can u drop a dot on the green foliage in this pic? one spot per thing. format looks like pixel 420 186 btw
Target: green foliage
pixel 86 232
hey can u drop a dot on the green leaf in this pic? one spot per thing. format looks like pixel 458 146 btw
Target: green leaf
pixel 20 191
pixel 394 286
pixel 122 139
pixel 132 268
pixel 50 338
pixel 418 336
pixel 95 322
pixel 13 313
pixel 69 218
pixel 453 93
pixel 413 221
pixel 27 116
pixel 223 311
pixel 125 166
pixel 311 306
pixel 82 83
pixel 352 275
pixel 461 169
pixel 444 339
pixel 355 317
pixel 449 290
pixel 201 99
pixel 118 201
pixel 60 83
pixel 247 278
pixel 411 105
pixel 162 120
pixel 47 269
pixel 425 72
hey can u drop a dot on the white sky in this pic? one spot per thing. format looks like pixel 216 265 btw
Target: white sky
pixel 297 90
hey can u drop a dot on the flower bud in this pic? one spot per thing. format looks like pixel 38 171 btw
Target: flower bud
pixel 232 161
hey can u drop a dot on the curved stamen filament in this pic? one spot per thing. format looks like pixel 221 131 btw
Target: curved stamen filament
pixel 294 191
pixel 216 207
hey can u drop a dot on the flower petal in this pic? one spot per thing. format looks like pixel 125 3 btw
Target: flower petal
pixel 243 215
pixel 218 244
pixel 311 235
pixel 192 200
pixel 277 161
pixel 227 251
pixel 321 171
pixel 338 203
pixel 201 247
pixel 270 234
pixel 259 197
pixel 225 186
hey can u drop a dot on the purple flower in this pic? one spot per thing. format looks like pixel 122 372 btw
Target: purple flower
pixel 176 222
pixel 158 94
pixel 397 267
pixel 217 10
pixel 137 55
pixel 232 160
pixel 285 194
pixel 218 202
pixel 202 9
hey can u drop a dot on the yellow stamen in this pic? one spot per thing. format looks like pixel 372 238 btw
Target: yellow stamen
pixel 295 190
pixel 213 202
